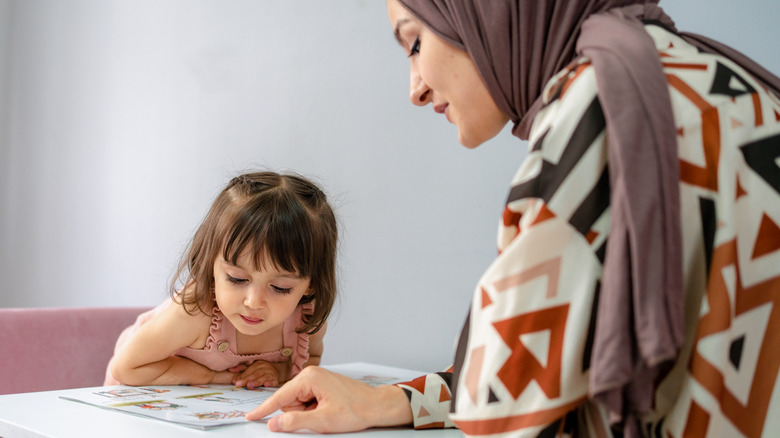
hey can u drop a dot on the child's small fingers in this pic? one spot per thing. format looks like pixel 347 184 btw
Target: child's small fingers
pixel 251 382
pixel 267 381
pixel 260 375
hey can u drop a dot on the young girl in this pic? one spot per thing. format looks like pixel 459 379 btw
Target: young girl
pixel 259 281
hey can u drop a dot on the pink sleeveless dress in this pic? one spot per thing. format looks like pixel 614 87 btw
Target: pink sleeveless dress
pixel 219 354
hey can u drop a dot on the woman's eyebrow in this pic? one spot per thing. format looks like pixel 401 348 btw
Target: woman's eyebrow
pixel 397 30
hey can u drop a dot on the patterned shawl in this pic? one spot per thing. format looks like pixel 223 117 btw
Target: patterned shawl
pixel 517 46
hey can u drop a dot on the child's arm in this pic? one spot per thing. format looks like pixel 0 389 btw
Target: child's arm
pixel 147 358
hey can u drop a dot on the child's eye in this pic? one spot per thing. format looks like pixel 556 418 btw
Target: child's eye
pixel 236 280
pixel 282 290
pixel 415 47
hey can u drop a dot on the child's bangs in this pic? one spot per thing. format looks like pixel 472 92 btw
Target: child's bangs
pixel 272 232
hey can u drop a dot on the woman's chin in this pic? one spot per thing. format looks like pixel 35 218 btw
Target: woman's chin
pixel 469 142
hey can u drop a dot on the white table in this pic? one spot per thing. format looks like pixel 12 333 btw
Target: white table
pixel 45 414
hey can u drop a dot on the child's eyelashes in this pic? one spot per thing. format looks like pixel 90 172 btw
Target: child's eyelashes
pixel 282 290
pixel 240 281
pixel 236 280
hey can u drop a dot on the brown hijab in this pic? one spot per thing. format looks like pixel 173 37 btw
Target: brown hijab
pixel 518 45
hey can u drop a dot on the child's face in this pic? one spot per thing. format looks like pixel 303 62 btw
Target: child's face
pixel 256 301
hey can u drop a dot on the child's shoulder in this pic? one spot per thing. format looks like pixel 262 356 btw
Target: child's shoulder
pixel 182 316
pixel 187 310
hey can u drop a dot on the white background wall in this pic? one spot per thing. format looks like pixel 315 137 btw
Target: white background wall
pixel 121 120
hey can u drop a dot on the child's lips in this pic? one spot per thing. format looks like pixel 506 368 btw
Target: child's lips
pixel 251 319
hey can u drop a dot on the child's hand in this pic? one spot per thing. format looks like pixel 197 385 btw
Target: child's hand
pixel 224 377
pixel 260 374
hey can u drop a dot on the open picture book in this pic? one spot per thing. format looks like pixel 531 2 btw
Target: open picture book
pixel 207 406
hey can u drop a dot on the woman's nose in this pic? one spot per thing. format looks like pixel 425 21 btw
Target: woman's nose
pixel 419 92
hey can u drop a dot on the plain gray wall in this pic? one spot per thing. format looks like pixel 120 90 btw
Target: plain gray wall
pixel 121 120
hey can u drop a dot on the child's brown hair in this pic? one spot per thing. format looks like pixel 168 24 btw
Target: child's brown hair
pixel 283 219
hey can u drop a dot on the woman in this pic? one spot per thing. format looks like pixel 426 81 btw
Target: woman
pixel 639 253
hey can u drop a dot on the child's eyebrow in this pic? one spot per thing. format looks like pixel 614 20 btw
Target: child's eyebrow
pixel 283 274
pixel 230 262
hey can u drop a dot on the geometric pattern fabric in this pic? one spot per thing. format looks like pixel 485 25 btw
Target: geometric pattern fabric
pixel 523 365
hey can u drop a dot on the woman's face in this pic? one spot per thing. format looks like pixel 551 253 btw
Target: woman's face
pixel 446 77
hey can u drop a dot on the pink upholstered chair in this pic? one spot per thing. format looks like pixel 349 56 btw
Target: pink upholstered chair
pixel 45 349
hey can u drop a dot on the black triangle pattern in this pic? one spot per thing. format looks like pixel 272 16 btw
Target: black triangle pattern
pixel 492 398
pixel 723 79
pixel 735 351
pixel 762 155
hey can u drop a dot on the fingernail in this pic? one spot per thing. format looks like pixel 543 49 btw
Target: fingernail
pixel 273 424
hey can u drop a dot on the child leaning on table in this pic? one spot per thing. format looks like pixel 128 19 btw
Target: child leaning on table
pixel 259 281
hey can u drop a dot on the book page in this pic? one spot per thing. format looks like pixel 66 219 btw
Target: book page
pixel 206 406
pixel 201 406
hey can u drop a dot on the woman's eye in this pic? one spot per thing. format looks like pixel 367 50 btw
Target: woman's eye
pixel 282 290
pixel 236 280
pixel 415 47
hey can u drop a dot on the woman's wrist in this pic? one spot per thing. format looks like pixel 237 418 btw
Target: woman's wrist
pixel 392 407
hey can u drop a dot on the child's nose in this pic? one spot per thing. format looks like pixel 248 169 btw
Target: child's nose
pixel 254 298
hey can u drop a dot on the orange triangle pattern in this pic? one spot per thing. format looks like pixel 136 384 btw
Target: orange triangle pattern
pixel 736 123
pixel 591 236
pixel 423 412
pixel 486 301
pixel 543 215
pixel 681 131
pixel 547 377
pixel 417 384
pixel 768 239
pixel 777 116
pixel 511 217
pixel 444 395
pixel 740 190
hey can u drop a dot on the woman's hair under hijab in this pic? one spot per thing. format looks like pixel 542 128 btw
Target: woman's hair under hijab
pixel 281 219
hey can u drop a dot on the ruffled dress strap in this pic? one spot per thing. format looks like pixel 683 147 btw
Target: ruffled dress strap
pixel 222 334
pixel 297 342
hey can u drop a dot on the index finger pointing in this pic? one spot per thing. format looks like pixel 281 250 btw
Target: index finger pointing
pixel 290 396
pixel 266 408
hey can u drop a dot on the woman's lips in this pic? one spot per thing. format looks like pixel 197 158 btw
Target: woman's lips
pixel 441 108
pixel 251 320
